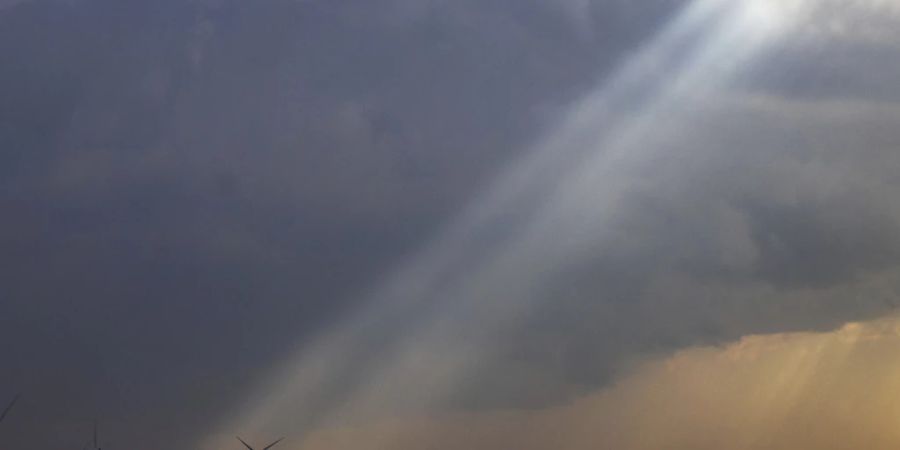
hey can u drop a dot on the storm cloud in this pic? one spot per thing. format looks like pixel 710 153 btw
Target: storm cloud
pixel 282 216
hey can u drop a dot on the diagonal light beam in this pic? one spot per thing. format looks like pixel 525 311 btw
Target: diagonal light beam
pixel 504 246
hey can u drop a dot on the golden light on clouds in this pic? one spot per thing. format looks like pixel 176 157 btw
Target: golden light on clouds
pixel 799 391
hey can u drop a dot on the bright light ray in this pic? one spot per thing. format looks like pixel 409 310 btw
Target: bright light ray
pixel 422 331
pixel 774 16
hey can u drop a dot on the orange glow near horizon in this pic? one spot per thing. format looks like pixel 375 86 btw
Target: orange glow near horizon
pixel 795 391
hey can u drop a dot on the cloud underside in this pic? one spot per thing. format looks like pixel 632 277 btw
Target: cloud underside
pixel 198 189
pixel 773 216
pixel 822 391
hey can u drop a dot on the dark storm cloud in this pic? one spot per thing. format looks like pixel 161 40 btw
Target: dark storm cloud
pixel 191 188
pixel 188 188
pixel 829 69
pixel 781 228
pixel 728 211
pixel 9 3
pixel 776 215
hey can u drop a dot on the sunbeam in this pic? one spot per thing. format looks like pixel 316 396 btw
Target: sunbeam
pixel 425 330
pixel 445 224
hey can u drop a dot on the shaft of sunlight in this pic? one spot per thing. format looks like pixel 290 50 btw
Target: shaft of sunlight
pixel 404 345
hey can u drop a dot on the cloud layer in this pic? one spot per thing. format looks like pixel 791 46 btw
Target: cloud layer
pixel 685 201
pixel 193 189
pixel 795 391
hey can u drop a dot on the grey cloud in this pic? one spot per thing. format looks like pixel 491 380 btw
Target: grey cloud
pixel 192 188
pixel 10 3
pixel 738 215
pixel 761 208
pixel 714 214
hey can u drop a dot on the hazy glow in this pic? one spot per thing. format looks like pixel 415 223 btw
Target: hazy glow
pixel 795 391
pixel 773 16
pixel 570 182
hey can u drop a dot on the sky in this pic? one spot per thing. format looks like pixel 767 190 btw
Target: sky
pixel 407 224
